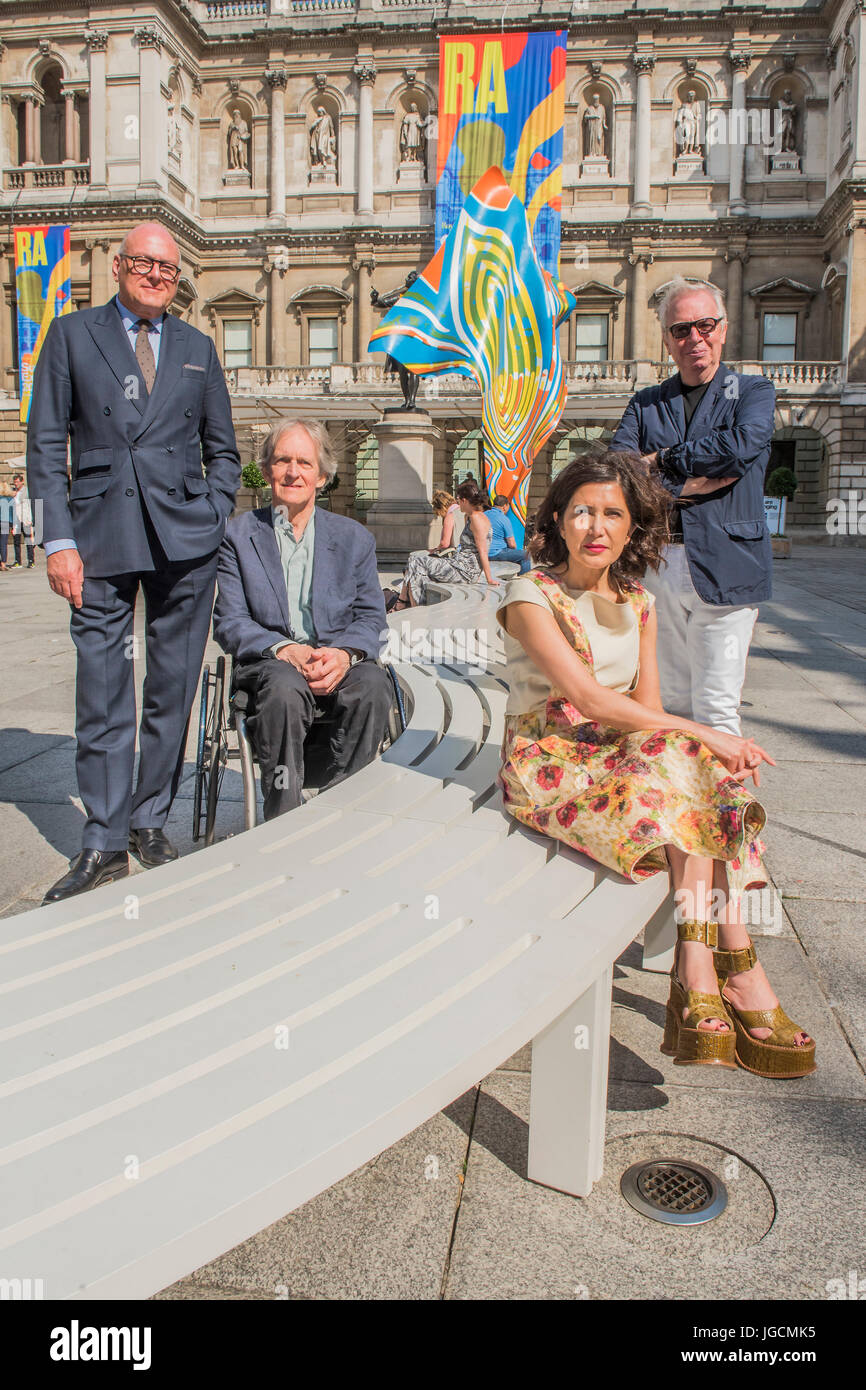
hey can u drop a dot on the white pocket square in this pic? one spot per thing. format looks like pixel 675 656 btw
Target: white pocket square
pixel 192 367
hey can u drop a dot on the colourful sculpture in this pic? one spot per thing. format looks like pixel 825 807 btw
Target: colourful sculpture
pixel 485 308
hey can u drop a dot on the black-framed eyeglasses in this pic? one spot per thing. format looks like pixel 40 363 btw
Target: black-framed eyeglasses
pixel 681 331
pixel 143 265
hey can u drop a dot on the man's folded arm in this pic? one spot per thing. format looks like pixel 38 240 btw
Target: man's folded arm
pixel 729 451
pixel 234 627
pixel 47 434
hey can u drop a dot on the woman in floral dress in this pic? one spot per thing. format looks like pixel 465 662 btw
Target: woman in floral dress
pixel 591 758
pixel 468 563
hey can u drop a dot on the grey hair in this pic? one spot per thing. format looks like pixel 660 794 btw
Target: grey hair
pixel 678 286
pixel 326 458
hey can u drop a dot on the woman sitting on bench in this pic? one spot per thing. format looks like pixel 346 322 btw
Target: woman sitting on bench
pixel 467 564
pixel 591 758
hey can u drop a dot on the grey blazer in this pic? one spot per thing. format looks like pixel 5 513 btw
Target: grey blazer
pixel 252 610
pixel 168 459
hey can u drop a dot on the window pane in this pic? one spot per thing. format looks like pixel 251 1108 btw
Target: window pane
pixel 780 329
pixel 591 338
pixel 323 342
pixel 238 343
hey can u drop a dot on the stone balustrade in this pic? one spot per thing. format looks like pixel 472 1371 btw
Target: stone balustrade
pixel 46 175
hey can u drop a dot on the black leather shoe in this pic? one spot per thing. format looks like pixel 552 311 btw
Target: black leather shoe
pixel 92 867
pixel 151 848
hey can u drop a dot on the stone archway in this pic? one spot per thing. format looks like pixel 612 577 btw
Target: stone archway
pixel 806 452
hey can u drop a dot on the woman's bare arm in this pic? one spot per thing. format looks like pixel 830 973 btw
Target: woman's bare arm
pixel 648 689
pixel 480 529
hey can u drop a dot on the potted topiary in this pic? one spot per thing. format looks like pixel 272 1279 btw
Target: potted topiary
pixel 254 491
pixel 779 488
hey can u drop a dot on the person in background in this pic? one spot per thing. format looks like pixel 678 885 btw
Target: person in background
pixel 468 564
pixel 7 513
pixel 447 508
pixel 503 546
pixel 22 521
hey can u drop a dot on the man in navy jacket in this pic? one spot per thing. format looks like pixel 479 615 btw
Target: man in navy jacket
pixel 707 430
pixel 301 609
pixel 141 400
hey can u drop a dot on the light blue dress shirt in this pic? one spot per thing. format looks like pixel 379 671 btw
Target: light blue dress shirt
pixel 130 323
pixel 296 558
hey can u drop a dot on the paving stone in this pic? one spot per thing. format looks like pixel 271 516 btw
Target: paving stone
pixel 818 857
pixel 832 933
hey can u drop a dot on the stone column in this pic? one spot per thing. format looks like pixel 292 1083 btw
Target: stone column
pixel 32 130
pixel 70 155
pixel 277 265
pixel 364 267
pixel 643 65
pixel 736 257
pixel 365 72
pixel 639 350
pixel 151 113
pixel 97 42
pixel 400 519
pixel 740 61
pixel 102 285
pixel 276 79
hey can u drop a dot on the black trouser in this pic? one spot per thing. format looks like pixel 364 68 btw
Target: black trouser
pixel 284 709
pixel 178 600
pixel 16 544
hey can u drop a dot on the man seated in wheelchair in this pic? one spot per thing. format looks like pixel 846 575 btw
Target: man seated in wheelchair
pixel 300 608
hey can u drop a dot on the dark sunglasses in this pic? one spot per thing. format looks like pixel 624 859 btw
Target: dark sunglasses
pixel 681 331
pixel 143 265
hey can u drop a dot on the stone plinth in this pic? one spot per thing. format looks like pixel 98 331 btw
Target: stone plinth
pixel 787 163
pixel 410 174
pixel 595 166
pixel 401 518
pixel 689 166
pixel 323 173
pixel 236 178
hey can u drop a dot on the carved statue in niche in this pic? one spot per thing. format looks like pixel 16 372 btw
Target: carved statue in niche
pixel 413 137
pixel 594 128
pixel 238 137
pixel 787 122
pixel 687 126
pixel 323 141
pixel 175 139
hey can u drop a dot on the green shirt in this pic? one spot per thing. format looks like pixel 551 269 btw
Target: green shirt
pixel 296 557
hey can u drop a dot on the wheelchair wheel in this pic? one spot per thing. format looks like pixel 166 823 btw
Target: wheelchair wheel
pixel 212 751
pixel 397 712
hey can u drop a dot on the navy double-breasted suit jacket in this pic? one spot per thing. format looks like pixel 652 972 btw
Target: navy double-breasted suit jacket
pixel 168 459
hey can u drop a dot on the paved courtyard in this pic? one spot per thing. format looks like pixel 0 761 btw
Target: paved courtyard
pixel 448 1212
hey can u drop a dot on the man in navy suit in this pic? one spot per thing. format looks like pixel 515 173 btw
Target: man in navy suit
pixel 707 430
pixel 300 607
pixel 140 399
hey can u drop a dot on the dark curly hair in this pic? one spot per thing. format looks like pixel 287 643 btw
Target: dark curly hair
pixel 469 491
pixel 647 502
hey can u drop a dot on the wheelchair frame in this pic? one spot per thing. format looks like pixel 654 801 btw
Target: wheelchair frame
pixel 218 717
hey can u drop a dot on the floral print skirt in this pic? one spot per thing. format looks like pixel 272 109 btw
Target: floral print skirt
pixel 621 797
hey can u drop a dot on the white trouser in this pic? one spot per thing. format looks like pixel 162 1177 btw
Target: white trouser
pixel 702 647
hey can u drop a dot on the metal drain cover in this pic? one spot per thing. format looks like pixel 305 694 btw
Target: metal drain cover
pixel 672 1190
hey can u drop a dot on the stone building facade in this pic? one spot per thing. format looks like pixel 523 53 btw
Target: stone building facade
pixel 271 137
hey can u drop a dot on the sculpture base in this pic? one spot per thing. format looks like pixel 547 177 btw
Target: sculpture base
pixel 401 519
pixel 323 173
pixel 595 167
pixel 689 166
pixel 787 163
pixel 410 174
pixel 236 178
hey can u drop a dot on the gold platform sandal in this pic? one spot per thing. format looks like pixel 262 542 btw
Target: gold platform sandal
pixel 688 1044
pixel 775 1056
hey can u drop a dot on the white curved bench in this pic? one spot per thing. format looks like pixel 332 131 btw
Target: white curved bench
pixel 190 1054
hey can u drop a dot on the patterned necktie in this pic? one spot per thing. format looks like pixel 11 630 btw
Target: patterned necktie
pixel 144 353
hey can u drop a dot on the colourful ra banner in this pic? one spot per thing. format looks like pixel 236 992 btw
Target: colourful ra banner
pixel 43 291
pixel 502 105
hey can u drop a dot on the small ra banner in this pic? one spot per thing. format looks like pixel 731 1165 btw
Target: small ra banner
pixel 502 104
pixel 43 291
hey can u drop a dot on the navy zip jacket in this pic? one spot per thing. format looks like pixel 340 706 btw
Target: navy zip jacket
pixel 726 538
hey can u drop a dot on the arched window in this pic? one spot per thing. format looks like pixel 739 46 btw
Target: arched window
pixel 52 117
